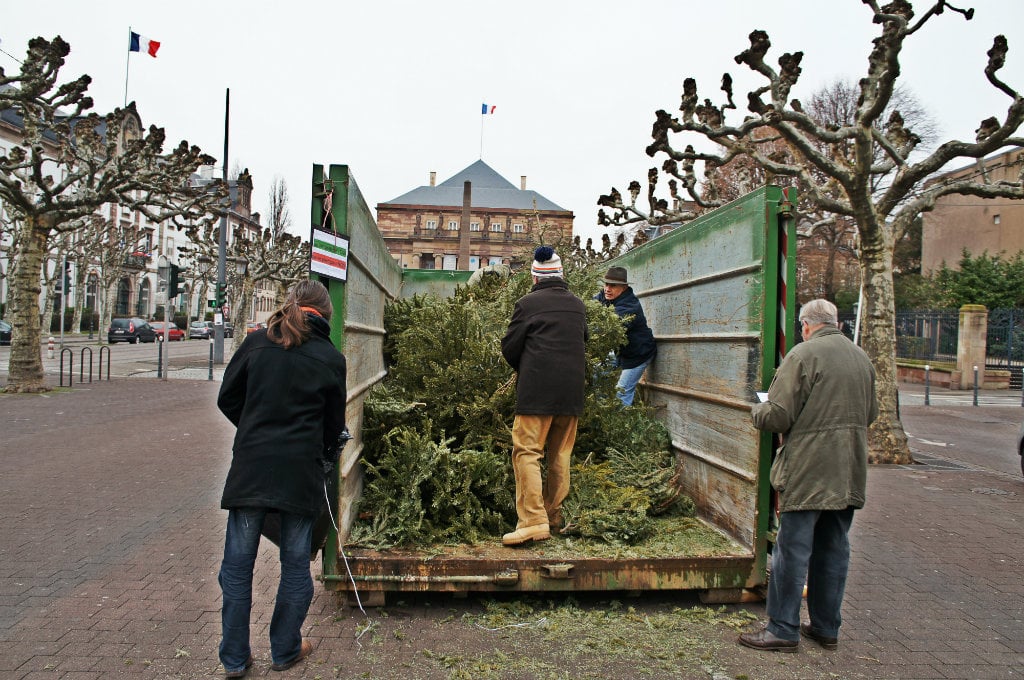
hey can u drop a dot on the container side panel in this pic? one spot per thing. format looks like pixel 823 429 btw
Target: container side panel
pixel 702 287
pixel 437 282
pixel 372 278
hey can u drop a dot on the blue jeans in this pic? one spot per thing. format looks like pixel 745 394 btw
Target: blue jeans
pixel 628 380
pixel 812 547
pixel 294 591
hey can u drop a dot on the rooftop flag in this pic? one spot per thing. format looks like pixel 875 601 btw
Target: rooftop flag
pixel 140 43
pixel 485 109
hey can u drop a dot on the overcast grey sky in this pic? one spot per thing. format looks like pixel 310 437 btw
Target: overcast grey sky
pixel 394 88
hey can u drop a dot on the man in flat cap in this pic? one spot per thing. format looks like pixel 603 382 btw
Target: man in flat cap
pixel 640 349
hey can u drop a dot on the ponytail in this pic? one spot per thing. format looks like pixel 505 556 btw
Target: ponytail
pixel 288 326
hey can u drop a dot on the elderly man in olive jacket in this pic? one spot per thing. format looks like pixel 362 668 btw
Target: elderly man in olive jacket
pixel 546 345
pixel 821 400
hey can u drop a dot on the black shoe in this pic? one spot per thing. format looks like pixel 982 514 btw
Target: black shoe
pixel 823 640
pixel 767 642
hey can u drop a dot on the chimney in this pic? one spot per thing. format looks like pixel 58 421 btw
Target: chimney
pixel 522 182
pixel 433 178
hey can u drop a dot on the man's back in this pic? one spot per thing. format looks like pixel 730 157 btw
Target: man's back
pixel 546 344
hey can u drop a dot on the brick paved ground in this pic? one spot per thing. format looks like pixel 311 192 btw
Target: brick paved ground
pixel 110 539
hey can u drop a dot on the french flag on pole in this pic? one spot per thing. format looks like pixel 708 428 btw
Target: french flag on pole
pixel 485 109
pixel 140 43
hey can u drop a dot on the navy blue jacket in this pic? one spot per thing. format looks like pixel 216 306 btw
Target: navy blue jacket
pixel 289 407
pixel 640 344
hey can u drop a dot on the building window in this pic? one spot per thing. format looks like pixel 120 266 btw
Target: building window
pixel 453 225
pixel 431 224
pixel 474 226
pixel 495 226
pixel 170 247
pixel 493 260
pixel 517 228
pixel 996 219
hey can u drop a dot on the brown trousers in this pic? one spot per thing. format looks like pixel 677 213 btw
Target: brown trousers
pixel 532 435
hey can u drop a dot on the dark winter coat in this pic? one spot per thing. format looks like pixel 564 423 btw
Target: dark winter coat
pixel 289 408
pixel 640 346
pixel 546 344
pixel 822 399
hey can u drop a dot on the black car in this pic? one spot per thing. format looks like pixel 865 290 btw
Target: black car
pixel 5 332
pixel 133 330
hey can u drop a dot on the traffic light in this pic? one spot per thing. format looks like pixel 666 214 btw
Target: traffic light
pixel 221 294
pixel 173 283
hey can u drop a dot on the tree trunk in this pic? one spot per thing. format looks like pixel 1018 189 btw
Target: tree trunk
pixel 887 440
pixel 109 296
pixel 76 319
pixel 25 370
pixel 241 313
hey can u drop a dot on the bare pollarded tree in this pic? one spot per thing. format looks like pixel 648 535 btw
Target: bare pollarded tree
pixel 838 166
pixel 66 166
pixel 280 218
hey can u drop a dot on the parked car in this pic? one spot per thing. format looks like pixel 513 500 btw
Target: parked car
pixel 229 330
pixel 173 334
pixel 133 330
pixel 5 332
pixel 254 326
pixel 200 329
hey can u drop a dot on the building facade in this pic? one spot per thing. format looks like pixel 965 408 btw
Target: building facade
pixel 993 225
pixel 423 228
pixel 137 244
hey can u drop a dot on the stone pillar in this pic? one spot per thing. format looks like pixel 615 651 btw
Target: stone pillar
pixel 970 346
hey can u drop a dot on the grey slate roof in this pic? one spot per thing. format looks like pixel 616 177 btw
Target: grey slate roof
pixel 489 190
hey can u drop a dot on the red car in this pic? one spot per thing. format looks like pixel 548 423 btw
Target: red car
pixel 173 334
pixel 254 326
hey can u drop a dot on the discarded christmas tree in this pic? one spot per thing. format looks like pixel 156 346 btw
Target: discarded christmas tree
pixel 438 437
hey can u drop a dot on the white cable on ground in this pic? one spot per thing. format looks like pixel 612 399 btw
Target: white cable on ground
pixel 341 550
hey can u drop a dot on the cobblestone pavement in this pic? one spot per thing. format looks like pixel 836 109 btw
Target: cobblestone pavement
pixel 110 541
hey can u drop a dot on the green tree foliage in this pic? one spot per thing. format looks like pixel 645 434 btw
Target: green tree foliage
pixel 991 280
pixel 438 431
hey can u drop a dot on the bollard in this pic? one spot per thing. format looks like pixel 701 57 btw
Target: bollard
pixel 159 356
pixel 49 348
pixel 927 384
pixel 211 360
pixel 975 385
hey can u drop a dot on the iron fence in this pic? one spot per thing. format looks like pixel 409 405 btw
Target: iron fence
pixel 927 335
pixel 1005 343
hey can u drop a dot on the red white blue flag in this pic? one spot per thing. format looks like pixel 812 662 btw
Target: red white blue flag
pixel 140 43
pixel 485 109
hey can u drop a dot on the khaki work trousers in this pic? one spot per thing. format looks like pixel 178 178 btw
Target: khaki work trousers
pixel 531 436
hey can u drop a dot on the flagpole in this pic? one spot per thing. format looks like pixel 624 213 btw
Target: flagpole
pixel 127 62
pixel 482 116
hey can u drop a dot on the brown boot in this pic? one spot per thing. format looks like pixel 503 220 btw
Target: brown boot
pixel 538 532
pixel 555 521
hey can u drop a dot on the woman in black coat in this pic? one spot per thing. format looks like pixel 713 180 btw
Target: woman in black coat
pixel 284 389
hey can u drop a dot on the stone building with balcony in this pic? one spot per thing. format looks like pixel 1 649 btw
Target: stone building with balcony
pixel 422 228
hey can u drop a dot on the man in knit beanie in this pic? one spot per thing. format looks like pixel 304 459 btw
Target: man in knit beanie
pixel 546 345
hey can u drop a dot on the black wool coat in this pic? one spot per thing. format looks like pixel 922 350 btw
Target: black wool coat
pixel 546 344
pixel 289 407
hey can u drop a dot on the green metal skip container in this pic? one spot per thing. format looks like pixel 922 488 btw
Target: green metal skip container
pixel 717 294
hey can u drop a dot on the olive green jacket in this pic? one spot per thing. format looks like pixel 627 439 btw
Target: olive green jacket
pixel 822 400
